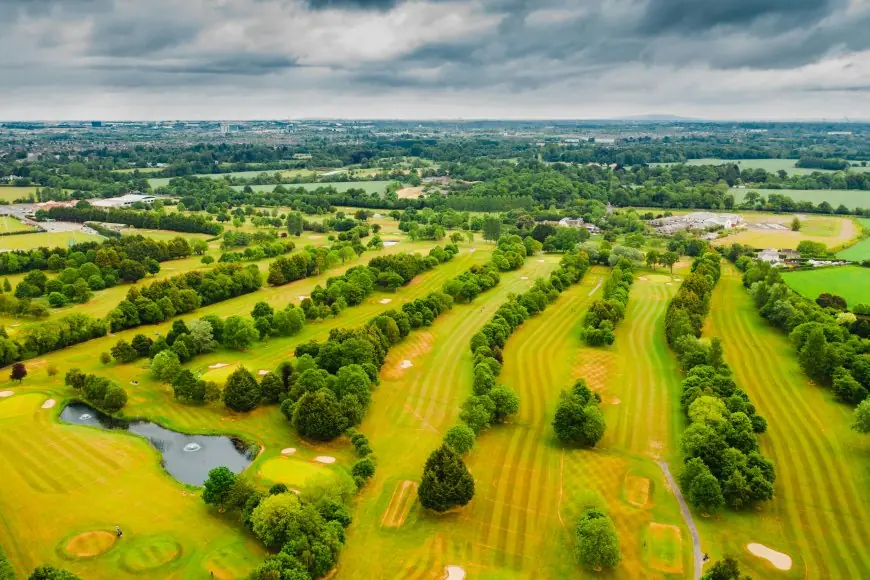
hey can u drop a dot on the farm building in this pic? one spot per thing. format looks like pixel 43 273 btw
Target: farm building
pixel 123 201
pixel 699 220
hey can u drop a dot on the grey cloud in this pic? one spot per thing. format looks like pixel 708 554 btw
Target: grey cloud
pixel 136 37
pixel 693 16
pixel 353 4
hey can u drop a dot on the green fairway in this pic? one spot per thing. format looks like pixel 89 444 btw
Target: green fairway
pixel 850 282
pixel 368 186
pixel 72 485
pixel 529 491
pixel 164 235
pixel 819 513
pixel 156 182
pixel 861 250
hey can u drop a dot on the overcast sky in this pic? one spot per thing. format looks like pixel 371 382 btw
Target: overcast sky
pixel 246 59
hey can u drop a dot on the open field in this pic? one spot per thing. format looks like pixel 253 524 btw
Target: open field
pixel 164 235
pixel 156 182
pixel 10 192
pixel 140 170
pixel 769 165
pixel 368 186
pixel 861 250
pixel 850 282
pixel 46 240
pixel 10 224
pixel 831 231
pixel 819 514
pixel 529 491
pixel 851 198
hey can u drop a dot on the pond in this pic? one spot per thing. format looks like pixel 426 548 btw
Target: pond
pixel 188 458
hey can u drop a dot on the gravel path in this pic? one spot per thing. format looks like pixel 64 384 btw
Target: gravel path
pixel 687 517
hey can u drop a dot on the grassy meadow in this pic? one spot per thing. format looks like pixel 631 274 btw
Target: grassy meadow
pixel 851 198
pixel 850 282
pixel 368 186
pixel 10 224
pixel 769 165
pixel 834 232
pixel 818 516
pixel 156 182
pixel 860 250
pixel 45 240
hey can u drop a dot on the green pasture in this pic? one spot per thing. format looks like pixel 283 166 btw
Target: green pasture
pixel 860 250
pixel 10 193
pixel 850 282
pixel 11 224
pixel 156 182
pixel 368 186
pixel 45 240
pixel 769 165
pixel 850 198
pixel 819 514
pixel 832 231
pixel 164 235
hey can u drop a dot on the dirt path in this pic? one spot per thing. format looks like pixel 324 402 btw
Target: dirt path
pixel 597 286
pixel 687 517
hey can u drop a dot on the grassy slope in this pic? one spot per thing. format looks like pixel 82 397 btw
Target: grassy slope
pixel 819 514
pixel 850 282
pixel 526 486
pixel 61 480
pixel 851 198
pixel 861 250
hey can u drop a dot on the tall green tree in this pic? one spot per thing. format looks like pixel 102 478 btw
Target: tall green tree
pixel 597 545
pixel 446 481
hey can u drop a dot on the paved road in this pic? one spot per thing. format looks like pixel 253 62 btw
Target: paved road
pixel 687 517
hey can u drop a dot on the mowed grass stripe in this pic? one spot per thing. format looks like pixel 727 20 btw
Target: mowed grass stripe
pixel 531 366
pixel 816 486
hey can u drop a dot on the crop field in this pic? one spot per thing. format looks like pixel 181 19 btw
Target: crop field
pixel 850 282
pixel 818 516
pixel 769 165
pixel 10 192
pixel 860 250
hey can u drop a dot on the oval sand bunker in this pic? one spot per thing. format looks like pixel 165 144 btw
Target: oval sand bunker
pixel 90 544
pixel 406 364
pixel 324 459
pixel 288 451
pixel 48 404
pixel 6 393
pixel 778 559
pixel 454 573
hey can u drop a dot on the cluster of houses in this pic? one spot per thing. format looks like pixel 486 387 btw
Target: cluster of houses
pixel 578 223
pixel 699 220
pixel 784 258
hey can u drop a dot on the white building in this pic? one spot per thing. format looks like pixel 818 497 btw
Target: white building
pixel 123 201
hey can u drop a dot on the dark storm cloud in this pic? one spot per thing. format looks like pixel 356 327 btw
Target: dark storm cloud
pixel 694 16
pixel 140 36
pixel 353 4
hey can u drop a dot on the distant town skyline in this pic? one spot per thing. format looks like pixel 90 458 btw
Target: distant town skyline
pixel 438 59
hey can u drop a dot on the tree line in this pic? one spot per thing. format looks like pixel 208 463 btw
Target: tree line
pixel 177 222
pixel 723 463
pixel 605 313
pixel 446 481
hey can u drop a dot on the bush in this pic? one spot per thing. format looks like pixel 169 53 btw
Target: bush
pixel 460 438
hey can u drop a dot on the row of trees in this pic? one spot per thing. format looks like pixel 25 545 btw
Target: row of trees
pixel 311 261
pixel 111 253
pixel 446 482
pixel 723 463
pixel 176 222
pixel 49 336
pixel 184 293
pixel 826 339
pixel 605 313
pixel 386 273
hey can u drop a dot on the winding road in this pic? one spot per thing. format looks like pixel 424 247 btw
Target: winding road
pixel 687 517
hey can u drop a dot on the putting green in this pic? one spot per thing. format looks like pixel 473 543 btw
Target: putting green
pixel 89 544
pixel 292 471
pixel 150 553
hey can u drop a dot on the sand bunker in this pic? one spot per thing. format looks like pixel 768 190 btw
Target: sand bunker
pixel 389 243
pixel 541 261
pixel 524 277
pixel 472 250
pixel 406 364
pixel 454 573
pixel 615 401
pixel 48 404
pixel 644 278
pixel 778 559
pixel 6 393
pixel 288 451
pixel 262 372
pixel 385 300
pixel 324 459
pixel 90 544
pixel 218 365
pixel 302 297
